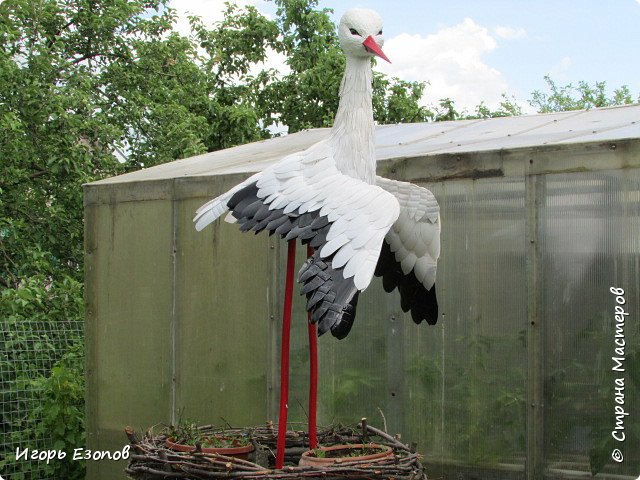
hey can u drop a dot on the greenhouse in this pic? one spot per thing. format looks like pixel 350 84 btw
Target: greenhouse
pixel 532 371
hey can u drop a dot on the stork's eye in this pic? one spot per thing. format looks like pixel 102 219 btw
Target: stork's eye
pixel 354 31
pixel 380 32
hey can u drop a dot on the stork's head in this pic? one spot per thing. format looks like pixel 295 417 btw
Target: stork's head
pixel 360 33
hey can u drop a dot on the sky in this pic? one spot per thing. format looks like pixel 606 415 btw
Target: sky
pixel 476 50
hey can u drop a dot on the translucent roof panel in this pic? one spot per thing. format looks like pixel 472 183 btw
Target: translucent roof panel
pixel 418 140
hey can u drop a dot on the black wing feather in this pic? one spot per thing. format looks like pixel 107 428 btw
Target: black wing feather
pixel 331 298
pixel 414 297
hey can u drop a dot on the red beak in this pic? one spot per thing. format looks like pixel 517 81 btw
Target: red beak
pixel 371 46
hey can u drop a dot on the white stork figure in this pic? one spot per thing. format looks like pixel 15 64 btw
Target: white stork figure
pixel 330 197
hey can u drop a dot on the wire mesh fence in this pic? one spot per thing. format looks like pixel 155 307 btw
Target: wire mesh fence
pixel 29 349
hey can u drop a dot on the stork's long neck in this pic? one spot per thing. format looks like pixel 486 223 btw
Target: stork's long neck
pixel 352 134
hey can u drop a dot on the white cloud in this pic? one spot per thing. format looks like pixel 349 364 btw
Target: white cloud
pixel 510 33
pixel 560 70
pixel 451 60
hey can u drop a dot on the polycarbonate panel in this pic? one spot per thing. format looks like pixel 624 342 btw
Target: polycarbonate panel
pixel 590 226
pixel 468 376
pixel 457 388
pixel 352 372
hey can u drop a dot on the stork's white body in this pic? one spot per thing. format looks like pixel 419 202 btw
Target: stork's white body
pixel 333 185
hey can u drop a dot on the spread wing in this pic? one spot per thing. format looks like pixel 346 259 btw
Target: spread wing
pixel 305 196
pixel 410 252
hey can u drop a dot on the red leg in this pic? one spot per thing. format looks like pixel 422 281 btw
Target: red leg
pixel 284 354
pixel 313 376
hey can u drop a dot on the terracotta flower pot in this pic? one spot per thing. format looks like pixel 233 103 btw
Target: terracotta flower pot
pixel 240 451
pixel 344 453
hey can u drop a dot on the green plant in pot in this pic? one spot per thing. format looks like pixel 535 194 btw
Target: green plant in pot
pixel 188 437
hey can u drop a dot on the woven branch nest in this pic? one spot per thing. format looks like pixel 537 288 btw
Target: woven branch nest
pixel 152 460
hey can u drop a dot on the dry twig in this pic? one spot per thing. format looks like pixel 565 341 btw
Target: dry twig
pixel 153 460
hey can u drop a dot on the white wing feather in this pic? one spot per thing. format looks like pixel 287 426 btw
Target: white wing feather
pixel 213 209
pixel 415 236
pixel 360 214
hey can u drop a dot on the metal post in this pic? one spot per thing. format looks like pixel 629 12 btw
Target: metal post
pixel 535 196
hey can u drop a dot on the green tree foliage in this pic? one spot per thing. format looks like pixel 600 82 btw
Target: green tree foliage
pixel 60 413
pixel 584 96
pixel 398 101
pixel 235 89
pixel 557 99
pixel 55 134
pixel 40 321
pixel 307 96
pixel 447 110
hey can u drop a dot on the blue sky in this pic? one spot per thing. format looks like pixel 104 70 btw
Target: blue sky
pixel 475 50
